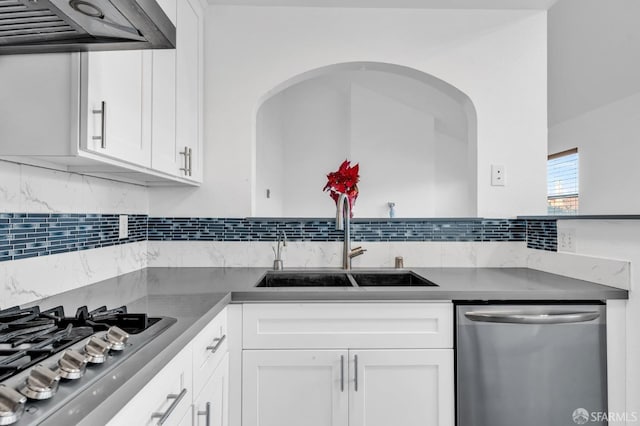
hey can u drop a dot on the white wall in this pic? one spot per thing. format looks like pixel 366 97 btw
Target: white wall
pixel 497 58
pixel 608 145
pixel 395 146
pixel 594 54
pixel 316 140
pixel 270 160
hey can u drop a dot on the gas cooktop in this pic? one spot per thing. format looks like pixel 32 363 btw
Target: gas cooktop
pixel 48 358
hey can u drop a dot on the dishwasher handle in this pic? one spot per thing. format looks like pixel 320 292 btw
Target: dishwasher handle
pixel 525 318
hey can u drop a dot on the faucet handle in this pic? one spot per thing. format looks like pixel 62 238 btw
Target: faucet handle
pixel 357 251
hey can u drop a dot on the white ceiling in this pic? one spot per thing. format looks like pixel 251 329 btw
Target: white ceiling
pixel 398 4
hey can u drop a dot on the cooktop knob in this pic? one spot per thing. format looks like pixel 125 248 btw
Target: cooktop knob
pixel 72 364
pixel 96 350
pixel 117 337
pixel 11 405
pixel 42 383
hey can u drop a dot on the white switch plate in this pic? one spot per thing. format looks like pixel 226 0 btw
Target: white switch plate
pixel 497 175
pixel 567 240
pixel 123 229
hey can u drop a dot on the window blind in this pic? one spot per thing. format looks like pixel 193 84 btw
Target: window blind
pixel 562 183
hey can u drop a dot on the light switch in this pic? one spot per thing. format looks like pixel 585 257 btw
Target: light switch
pixel 123 229
pixel 497 175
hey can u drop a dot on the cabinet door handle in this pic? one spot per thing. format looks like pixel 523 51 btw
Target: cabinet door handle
pixel 207 414
pixel 162 417
pixel 355 376
pixel 218 341
pixel 189 161
pixel 103 135
pixel 341 373
pixel 185 169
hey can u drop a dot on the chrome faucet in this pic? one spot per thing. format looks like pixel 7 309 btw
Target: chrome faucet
pixel 281 241
pixel 343 222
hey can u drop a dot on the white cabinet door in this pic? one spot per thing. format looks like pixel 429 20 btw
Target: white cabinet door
pixel 116 119
pixel 165 153
pixel 189 65
pixel 295 388
pixel 212 406
pixel 401 387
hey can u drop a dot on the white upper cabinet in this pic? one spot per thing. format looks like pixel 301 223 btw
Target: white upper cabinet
pixel 124 115
pixel 117 97
pixel 165 154
pixel 189 57
pixel 177 95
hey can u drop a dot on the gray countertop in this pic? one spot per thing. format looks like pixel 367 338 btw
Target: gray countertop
pixel 194 296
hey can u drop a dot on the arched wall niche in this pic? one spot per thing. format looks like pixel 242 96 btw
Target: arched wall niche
pixel 414 136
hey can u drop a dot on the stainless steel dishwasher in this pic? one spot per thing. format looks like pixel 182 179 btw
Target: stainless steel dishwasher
pixel 530 365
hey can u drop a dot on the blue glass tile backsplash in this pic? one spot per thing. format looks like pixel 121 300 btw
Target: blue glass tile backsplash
pixel 248 229
pixel 542 235
pixel 25 235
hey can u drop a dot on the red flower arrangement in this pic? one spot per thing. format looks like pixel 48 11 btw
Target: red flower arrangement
pixel 344 181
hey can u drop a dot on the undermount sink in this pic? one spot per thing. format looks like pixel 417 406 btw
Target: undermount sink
pixel 383 278
pixel 390 279
pixel 305 279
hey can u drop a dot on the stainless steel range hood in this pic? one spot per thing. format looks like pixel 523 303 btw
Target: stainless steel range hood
pixel 44 26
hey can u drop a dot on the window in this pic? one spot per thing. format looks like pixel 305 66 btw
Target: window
pixel 562 183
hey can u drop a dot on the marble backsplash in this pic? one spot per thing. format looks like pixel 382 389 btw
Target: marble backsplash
pixel 29 189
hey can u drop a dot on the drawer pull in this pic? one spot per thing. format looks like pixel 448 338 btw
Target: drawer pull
pixel 218 341
pixel 162 417
pixel 207 414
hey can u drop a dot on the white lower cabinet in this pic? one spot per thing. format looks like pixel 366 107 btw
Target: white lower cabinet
pixel 175 397
pixel 356 388
pixel 410 382
pixel 211 408
pixel 293 388
pixel 167 396
pixel 410 387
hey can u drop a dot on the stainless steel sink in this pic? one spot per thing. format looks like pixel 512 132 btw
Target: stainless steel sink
pixel 365 278
pixel 390 279
pixel 305 279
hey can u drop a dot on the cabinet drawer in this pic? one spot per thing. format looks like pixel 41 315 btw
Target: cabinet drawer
pixel 174 379
pixel 209 348
pixel 347 325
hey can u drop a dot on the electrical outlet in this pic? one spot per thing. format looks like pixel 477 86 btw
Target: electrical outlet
pixel 567 240
pixel 123 229
pixel 497 175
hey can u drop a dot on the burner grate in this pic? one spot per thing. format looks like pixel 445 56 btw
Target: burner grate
pixel 29 336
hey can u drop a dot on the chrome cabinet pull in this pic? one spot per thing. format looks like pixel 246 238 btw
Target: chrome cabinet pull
pixel 185 169
pixel 355 377
pixel 524 318
pixel 207 414
pixel 218 341
pixel 162 417
pixel 103 135
pixel 341 373
pixel 189 161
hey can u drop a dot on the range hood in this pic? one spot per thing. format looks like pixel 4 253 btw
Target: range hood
pixel 44 26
